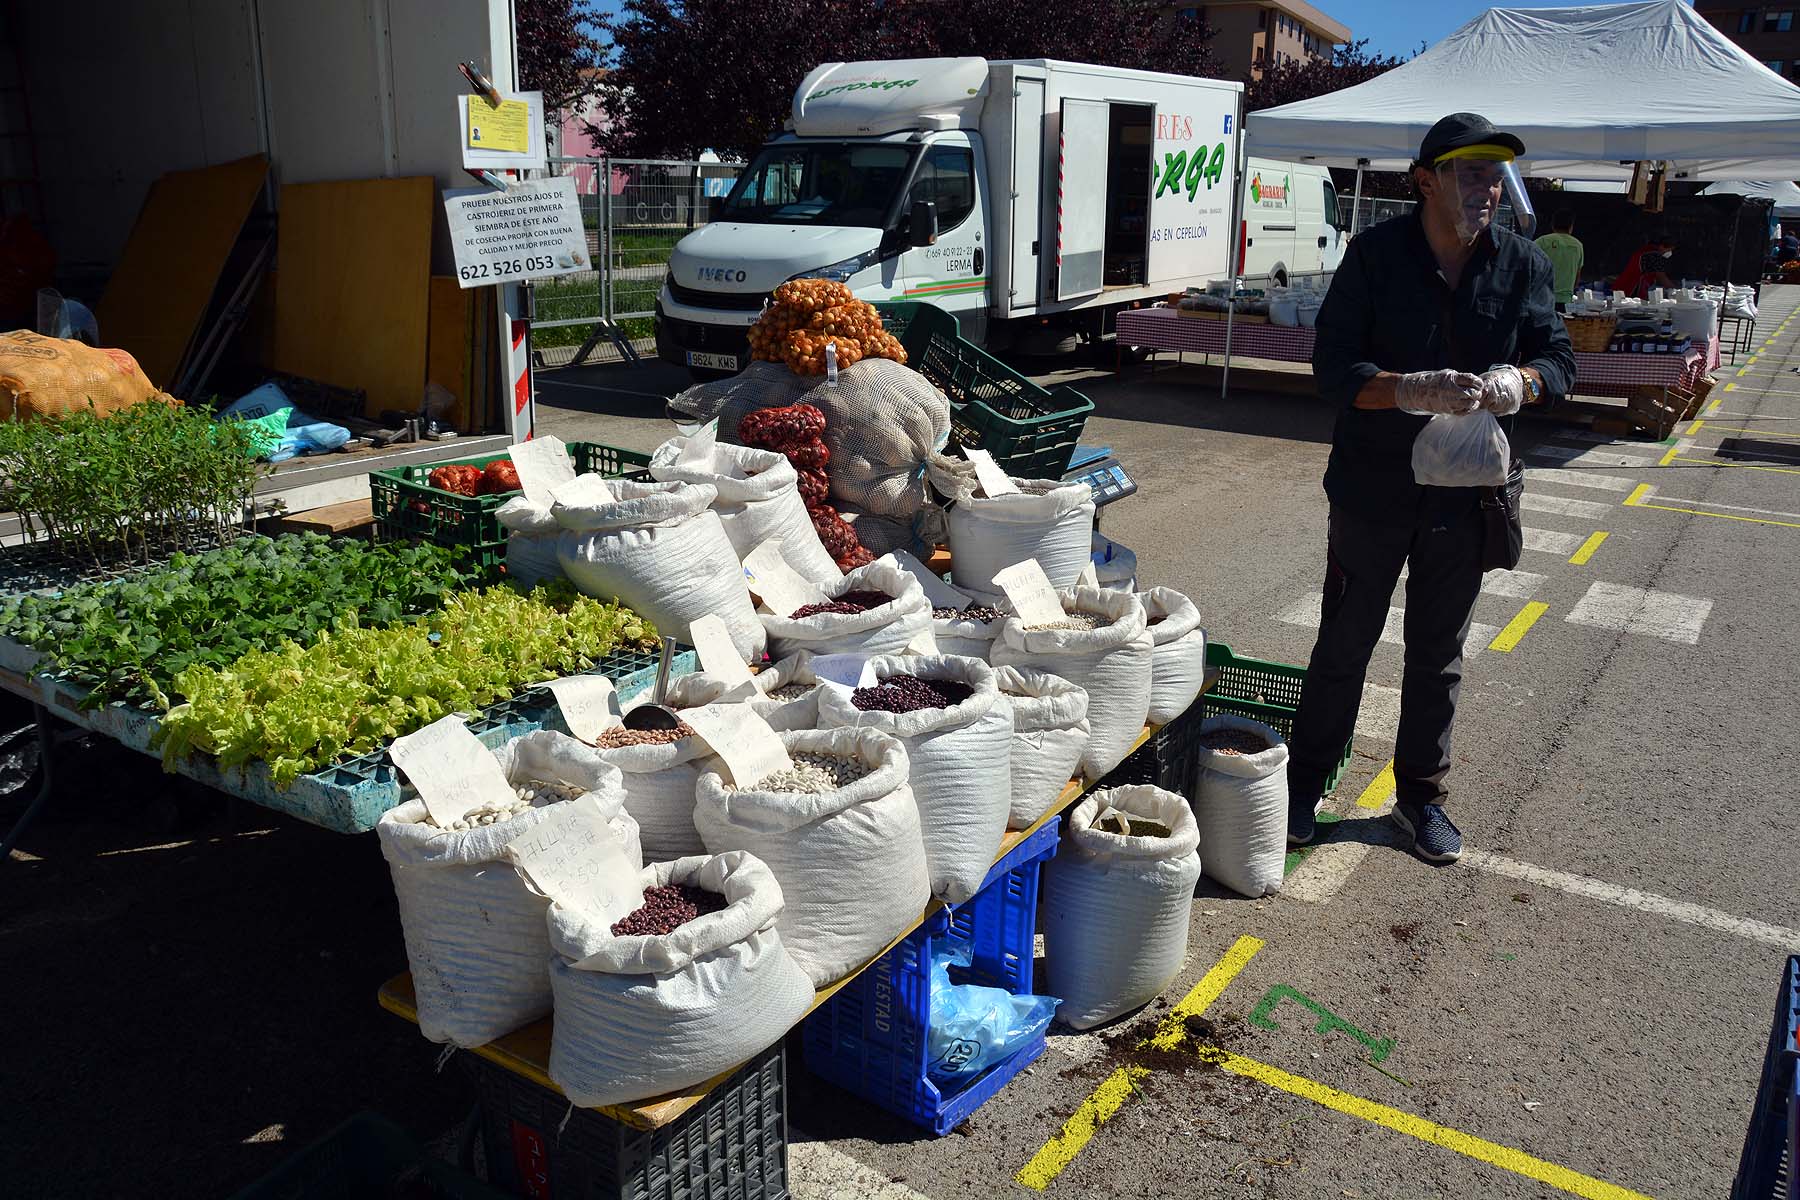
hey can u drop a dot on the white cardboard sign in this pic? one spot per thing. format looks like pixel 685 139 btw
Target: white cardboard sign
pixel 1029 590
pixel 528 231
pixel 583 491
pixel 718 656
pixel 941 594
pixel 574 859
pixel 994 481
pixel 779 587
pixel 543 465
pixel 589 704
pixel 698 446
pixel 751 751
pixel 453 772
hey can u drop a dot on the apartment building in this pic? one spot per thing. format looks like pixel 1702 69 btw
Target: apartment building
pixel 1771 32
pixel 1253 34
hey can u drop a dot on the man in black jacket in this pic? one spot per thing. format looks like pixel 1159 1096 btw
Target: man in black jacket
pixel 1435 312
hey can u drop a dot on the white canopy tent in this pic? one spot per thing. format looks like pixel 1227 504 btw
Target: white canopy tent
pixel 1782 191
pixel 1590 91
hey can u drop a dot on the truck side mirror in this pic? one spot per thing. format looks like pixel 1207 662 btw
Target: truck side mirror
pixel 922 226
pixel 715 207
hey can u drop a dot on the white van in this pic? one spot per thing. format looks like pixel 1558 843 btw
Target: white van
pixel 1023 197
pixel 1290 225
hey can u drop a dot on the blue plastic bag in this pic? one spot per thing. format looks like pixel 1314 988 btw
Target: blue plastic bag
pixel 316 438
pixel 973 1027
pixel 305 434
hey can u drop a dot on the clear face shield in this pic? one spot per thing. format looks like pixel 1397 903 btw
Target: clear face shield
pixel 1475 185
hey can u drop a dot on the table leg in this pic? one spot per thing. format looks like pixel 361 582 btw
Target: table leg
pixel 46 740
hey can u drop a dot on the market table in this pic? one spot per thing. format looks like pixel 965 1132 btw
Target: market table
pixel 1620 374
pixel 1167 329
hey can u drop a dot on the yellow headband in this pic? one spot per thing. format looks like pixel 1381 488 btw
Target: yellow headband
pixel 1486 153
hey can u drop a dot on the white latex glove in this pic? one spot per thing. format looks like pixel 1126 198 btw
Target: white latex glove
pixel 1423 393
pixel 1502 390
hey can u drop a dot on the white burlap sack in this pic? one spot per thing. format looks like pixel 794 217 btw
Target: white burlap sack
pixel 1050 732
pixel 660 549
pixel 758 500
pixel 1241 809
pixel 965 637
pixel 783 715
pixel 1046 519
pixel 959 764
pixel 474 931
pixel 1115 564
pixel 1111 662
pixel 532 536
pixel 851 862
pixel 887 629
pixel 640 1016
pixel 1117 902
pixel 1178 658
pixel 659 784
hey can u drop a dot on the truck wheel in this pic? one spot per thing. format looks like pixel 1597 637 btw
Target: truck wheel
pixel 1280 277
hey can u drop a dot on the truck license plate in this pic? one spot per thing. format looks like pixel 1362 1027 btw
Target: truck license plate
pixel 712 362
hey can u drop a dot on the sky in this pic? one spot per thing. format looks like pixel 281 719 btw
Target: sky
pixel 1398 26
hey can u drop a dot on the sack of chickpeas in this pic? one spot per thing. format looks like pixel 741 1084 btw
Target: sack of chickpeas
pixel 877 609
pixel 957 729
pixel 784 693
pixel 1104 646
pixel 474 930
pixel 689 985
pixel 840 830
pixel 1178 654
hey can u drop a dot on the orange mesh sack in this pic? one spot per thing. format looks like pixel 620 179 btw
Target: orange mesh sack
pixel 43 378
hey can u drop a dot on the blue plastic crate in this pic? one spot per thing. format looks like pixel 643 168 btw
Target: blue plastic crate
pixel 1769 1169
pixel 870 1038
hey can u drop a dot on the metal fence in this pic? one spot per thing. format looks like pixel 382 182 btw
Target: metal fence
pixel 635 210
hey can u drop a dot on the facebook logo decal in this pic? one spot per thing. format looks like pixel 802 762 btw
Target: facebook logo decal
pixel 1227 124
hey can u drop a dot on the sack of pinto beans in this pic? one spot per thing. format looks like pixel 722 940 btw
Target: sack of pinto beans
pixel 957 730
pixel 659 769
pixel 474 930
pixel 877 609
pixel 840 831
pixel 691 984
pixel 1102 645
pixel 757 498
pixel 1178 654
pixel 1050 732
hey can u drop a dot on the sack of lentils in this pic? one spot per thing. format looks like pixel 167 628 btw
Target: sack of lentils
pixel 1103 645
pixel 957 730
pixel 691 984
pixel 877 609
pixel 840 830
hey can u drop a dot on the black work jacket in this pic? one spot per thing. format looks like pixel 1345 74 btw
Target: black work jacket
pixel 1389 309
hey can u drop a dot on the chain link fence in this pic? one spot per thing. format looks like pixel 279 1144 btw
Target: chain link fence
pixel 635 210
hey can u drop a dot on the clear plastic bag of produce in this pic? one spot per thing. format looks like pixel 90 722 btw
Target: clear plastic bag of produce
pixel 1461 451
pixel 973 1027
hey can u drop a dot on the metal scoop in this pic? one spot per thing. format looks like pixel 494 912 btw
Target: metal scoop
pixel 655 714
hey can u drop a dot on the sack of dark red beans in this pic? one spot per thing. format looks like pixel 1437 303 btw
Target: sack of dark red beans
pixel 877 609
pixel 687 986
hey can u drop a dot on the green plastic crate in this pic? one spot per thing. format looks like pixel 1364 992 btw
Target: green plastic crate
pixel 407 508
pixel 1030 432
pixel 1263 691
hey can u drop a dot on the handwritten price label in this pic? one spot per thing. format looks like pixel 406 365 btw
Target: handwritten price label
pixel 1026 585
pixel 572 857
pixel 589 704
pixel 453 772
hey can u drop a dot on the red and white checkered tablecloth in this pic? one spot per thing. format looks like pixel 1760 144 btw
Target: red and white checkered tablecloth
pixel 1620 374
pixel 1164 329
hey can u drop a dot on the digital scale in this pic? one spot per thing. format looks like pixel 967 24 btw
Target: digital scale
pixel 1105 477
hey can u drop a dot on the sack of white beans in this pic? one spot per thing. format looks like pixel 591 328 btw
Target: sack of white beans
pixel 758 500
pixel 1104 646
pixel 1178 655
pixel 638 1015
pixel 840 831
pixel 958 758
pixel 883 628
pixel 1050 732
pixel 1045 519
pixel 1117 900
pixel 474 930
pixel 659 549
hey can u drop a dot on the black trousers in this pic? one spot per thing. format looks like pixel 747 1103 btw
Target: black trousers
pixel 1442 552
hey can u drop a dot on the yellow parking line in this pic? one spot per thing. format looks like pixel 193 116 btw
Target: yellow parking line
pixel 1519 626
pixel 1581 556
pixel 1380 789
pixel 1670 456
pixel 1694 428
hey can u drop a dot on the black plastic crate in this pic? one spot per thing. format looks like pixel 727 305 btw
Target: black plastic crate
pixel 368 1155
pixel 730 1146
pixel 1767 1170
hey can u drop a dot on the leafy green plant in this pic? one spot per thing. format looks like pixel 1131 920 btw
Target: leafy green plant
pixel 129 639
pixel 356 688
pixel 119 487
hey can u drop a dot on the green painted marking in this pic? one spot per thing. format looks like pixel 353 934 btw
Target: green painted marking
pixel 1379 1048
pixel 1296 856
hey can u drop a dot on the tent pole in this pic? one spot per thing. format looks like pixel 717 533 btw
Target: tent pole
pixel 1356 205
pixel 1239 156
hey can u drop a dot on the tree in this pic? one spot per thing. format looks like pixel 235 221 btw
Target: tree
pixel 1303 79
pixel 560 53
pixel 692 75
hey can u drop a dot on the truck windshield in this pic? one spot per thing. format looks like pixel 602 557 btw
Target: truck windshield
pixel 821 183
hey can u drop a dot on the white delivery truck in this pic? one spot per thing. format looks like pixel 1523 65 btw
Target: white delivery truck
pixel 1017 195
pixel 1290 222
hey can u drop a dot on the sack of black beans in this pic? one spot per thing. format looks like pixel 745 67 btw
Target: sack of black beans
pixel 757 499
pixel 1050 732
pixel 658 771
pixel 660 549
pixel 967 632
pixel 639 1014
pixel 877 609
pixel 1104 647
pixel 474 930
pixel 1116 902
pixel 957 730
pixel 840 830
pixel 1045 519
pixel 1178 653
pixel 1240 803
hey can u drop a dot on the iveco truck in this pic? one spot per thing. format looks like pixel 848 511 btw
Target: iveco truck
pixel 1032 199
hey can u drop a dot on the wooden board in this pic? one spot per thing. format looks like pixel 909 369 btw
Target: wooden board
pixel 349 517
pixel 450 359
pixel 163 285
pixel 352 304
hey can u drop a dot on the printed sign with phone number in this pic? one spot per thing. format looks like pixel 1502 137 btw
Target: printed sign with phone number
pixel 528 231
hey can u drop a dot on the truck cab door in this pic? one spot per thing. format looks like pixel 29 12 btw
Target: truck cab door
pixel 952 272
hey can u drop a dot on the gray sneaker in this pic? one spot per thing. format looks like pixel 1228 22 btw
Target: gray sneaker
pixel 1303 821
pixel 1435 839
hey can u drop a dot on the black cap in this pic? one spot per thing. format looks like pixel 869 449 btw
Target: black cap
pixel 1464 129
